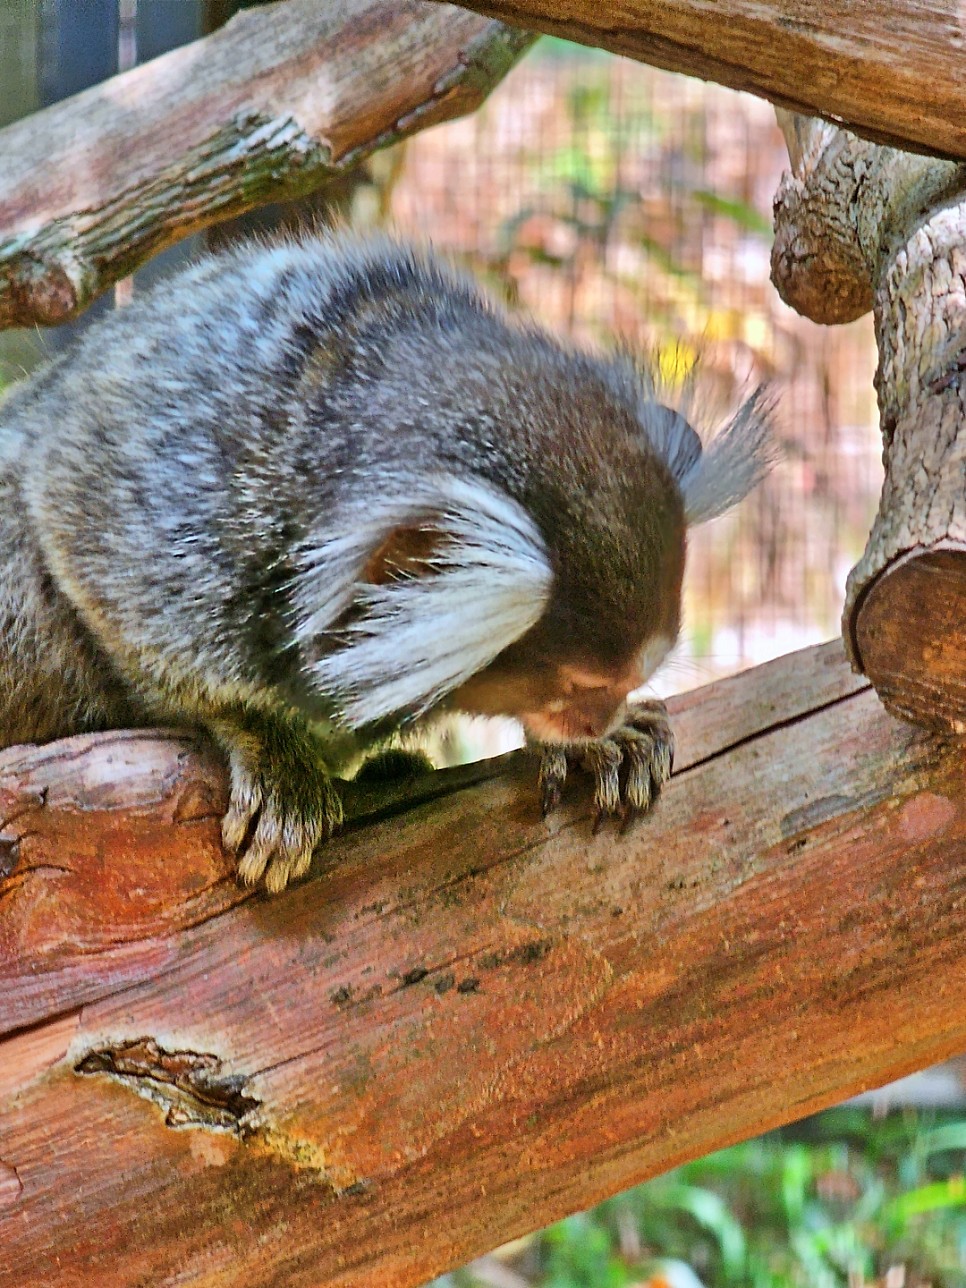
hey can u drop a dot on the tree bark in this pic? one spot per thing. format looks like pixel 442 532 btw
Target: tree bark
pixel 281 99
pixel 890 69
pixel 860 226
pixel 470 1021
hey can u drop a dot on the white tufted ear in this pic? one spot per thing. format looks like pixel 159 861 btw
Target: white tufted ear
pixel 672 437
pixel 733 462
pixel 713 471
pixel 484 583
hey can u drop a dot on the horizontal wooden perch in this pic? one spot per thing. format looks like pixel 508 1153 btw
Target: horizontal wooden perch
pixel 890 69
pixel 280 99
pixel 859 226
pixel 470 1021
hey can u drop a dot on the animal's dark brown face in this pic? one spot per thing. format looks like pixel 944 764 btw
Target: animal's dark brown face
pixel 559 702
pixel 565 685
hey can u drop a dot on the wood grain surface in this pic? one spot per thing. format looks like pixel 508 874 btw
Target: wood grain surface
pixel 470 1021
pixel 860 226
pixel 892 70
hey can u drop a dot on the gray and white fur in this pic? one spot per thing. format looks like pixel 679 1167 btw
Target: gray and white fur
pixel 326 484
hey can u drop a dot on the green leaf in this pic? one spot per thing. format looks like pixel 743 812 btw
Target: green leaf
pixel 939 1196
pixel 740 212
pixel 710 1211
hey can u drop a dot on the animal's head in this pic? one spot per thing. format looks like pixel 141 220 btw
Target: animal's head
pixel 546 585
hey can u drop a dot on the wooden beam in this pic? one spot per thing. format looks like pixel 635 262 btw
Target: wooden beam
pixel 279 100
pixel 471 1021
pixel 890 69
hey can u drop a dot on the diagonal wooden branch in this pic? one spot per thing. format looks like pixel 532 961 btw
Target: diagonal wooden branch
pixel 470 1022
pixel 269 107
pixel 890 69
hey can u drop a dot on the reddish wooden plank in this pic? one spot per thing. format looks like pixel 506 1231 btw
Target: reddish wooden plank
pixel 347 1084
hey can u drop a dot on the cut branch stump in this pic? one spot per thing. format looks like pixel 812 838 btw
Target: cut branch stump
pixel 860 226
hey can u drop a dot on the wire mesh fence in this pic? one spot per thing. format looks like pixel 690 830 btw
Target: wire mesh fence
pixel 609 199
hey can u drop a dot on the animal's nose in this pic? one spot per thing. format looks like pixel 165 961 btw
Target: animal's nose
pixel 597 713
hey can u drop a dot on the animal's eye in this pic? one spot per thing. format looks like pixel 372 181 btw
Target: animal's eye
pixel 573 686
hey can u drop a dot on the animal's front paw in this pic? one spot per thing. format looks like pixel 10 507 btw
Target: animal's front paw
pixel 282 801
pixel 630 766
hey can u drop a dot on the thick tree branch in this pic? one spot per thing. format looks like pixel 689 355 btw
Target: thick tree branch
pixel 890 69
pixel 860 226
pixel 269 107
pixel 470 1021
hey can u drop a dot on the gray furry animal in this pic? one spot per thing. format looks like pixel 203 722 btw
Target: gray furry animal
pixel 325 488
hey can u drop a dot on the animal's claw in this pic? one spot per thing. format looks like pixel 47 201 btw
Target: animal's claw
pixel 630 766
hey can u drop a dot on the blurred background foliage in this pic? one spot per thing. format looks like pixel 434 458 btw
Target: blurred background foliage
pixel 607 199
pixel 842 1200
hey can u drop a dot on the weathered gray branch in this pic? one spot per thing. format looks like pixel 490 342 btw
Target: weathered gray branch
pixel 282 98
pixel 860 226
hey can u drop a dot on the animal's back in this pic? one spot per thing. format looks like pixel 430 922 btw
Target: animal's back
pixel 145 479
pixel 54 680
pixel 86 492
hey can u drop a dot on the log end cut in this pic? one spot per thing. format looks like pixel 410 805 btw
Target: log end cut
pixel 909 637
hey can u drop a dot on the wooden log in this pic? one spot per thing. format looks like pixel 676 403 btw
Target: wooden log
pixel 889 69
pixel 859 226
pixel 470 1021
pixel 279 100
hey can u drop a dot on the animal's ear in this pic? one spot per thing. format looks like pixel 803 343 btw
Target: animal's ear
pixel 734 461
pixel 672 437
pixel 396 539
pixel 410 550
pixel 439 580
